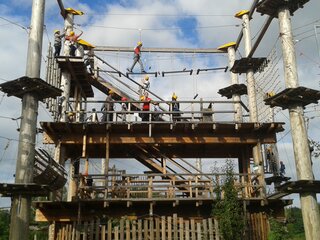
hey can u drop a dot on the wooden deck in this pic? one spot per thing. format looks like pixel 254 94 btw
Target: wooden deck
pixel 184 139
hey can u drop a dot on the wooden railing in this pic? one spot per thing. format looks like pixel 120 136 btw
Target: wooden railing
pixel 146 187
pixel 160 111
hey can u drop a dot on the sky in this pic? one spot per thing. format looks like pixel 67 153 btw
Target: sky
pixel 162 23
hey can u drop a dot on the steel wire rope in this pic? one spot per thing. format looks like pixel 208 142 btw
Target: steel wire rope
pixel 5 150
pixel 156 29
pixel 161 15
pixel 46 110
pixel 15 23
pixel 294 48
pixel 106 63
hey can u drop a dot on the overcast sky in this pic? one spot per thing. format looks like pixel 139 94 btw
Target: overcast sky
pixel 163 23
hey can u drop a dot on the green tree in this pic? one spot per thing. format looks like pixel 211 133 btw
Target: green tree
pixel 4 224
pixel 228 209
pixel 278 230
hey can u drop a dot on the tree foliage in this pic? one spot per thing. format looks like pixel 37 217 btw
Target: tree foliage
pixel 4 224
pixel 228 209
pixel 292 229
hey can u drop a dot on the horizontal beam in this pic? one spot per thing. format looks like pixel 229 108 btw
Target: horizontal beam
pixel 158 50
pixel 101 139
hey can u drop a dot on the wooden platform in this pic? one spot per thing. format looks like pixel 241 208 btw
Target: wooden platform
pixel 244 64
pixel 36 86
pixel 68 211
pixel 31 189
pixel 79 74
pixel 190 71
pixel 276 179
pixel 300 186
pixel 271 7
pixel 239 89
pixel 184 140
pixel 142 73
pixel 212 69
pixel 294 96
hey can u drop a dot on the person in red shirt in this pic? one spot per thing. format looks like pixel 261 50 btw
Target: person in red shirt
pixel 73 39
pixel 145 107
pixel 137 58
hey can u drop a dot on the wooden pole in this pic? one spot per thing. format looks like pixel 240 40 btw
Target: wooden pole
pixel 257 155
pixel 66 75
pixel 309 206
pixel 235 80
pixel 21 205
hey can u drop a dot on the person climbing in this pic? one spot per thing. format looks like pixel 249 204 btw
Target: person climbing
pixel 57 42
pixel 282 169
pixel 71 43
pixel 107 107
pixel 145 85
pixel 175 107
pixel 137 58
pixel 145 107
pixel 124 108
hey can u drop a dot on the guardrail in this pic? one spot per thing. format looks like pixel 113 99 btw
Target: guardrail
pixel 159 111
pixel 180 186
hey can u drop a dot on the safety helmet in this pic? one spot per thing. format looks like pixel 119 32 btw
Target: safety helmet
pixel 146 77
pixel 142 98
pixel 71 33
pixel 56 31
pixel 174 96
pixel 110 92
pixel 70 114
pixel 124 99
pixel 139 43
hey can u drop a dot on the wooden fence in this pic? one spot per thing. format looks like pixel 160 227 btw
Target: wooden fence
pixel 153 228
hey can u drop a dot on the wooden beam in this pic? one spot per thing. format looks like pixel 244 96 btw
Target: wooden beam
pixel 101 139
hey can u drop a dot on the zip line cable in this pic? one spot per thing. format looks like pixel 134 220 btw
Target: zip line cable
pixel 155 29
pixel 161 15
pixel 15 23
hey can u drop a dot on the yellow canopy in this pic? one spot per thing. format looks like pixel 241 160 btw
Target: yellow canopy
pixel 241 13
pixel 74 12
pixel 226 46
pixel 85 44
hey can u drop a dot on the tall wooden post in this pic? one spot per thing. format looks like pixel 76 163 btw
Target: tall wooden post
pixel 309 206
pixel 107 160
pixel 20 209
pixel 230 48
pixel 256 151
pixel 235 80
pixel 65 75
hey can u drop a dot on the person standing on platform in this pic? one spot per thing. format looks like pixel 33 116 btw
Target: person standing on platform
pixel 145 85
pixel 145 107
pixel 71 43
pixel 175 107
pixel 107 107
pixel 124 108
pixel 57 42
pixel 157 110
pixel 137 58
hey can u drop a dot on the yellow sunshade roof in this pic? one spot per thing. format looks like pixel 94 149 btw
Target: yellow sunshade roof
pixel 85 44
pixel 226 46
pixel 74 12
pixel 242 12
